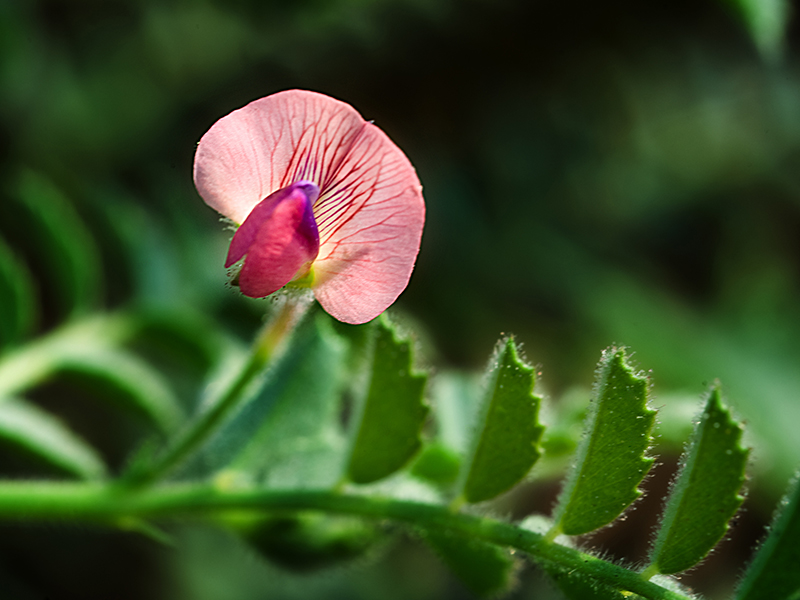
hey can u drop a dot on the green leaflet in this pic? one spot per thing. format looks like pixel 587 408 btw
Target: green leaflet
pixel 393 412
pixel 17 298
pixel 486 569
pixel 288 433
pixel 507 442
pixel 38 433
pixel 774 573
pixel 57 241
pixel 704 495
pixel 766 21
pixel 611 460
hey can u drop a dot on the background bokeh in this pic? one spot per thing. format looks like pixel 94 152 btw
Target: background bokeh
pixel 595 174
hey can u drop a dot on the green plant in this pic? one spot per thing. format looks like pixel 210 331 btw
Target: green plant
pixel 320 433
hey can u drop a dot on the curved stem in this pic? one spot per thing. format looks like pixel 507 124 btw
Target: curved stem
pixel 266 345
pixel 104 503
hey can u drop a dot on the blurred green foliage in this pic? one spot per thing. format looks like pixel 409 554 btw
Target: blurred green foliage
pixel 594 174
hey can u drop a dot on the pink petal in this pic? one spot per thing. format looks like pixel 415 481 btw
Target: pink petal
pixel 370 223
pixel 284 246
pixel 370 212
pixel 269 144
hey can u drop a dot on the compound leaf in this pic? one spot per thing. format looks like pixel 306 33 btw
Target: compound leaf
pixel 611 459
pixel 507 438
pixel 40 434
pixel 486 569
pixel 773 574
pixel 704 495
pixel 394 410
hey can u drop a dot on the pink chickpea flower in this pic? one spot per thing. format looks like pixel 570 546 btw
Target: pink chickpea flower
pixel 324 199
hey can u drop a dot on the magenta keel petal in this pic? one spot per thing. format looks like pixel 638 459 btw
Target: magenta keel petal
pixel 246 234
pixel 282 242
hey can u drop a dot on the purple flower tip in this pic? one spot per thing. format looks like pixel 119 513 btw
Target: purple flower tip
pixel 279 238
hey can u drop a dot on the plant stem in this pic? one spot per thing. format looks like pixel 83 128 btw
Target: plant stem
pixel 266 345
pixel 109 503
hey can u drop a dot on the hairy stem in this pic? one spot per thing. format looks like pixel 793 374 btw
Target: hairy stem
pixel 266 345
pixel 107 503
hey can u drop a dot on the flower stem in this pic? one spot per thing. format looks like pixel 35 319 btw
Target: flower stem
pixel 108 503
pixel 266 345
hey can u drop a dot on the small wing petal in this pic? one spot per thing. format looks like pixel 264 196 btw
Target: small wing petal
pixel 370 221
pixel 271 143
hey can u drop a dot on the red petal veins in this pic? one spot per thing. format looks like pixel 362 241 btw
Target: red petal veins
pixel 370 224
pixel 269 144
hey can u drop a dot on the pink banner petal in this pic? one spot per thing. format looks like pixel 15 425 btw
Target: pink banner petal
pixel 370 224
pixel 269 144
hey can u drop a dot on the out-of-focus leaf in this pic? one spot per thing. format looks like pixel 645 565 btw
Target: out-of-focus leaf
pixel 288 433
pixel 56 236
pixel 17 298
pixel 394 410
pixel 486 569
pixel 774 572
pixel 506 443
pixel 42 435
pixel 310 541
pixel 611 459
pixel 32 363
pixel 562 436
pixel 766 21
pixel 88 349
pixel 134 382
pixel 438 464
pixel 139 258
pixel 456 402
pixel 182 332
pixel 705 494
